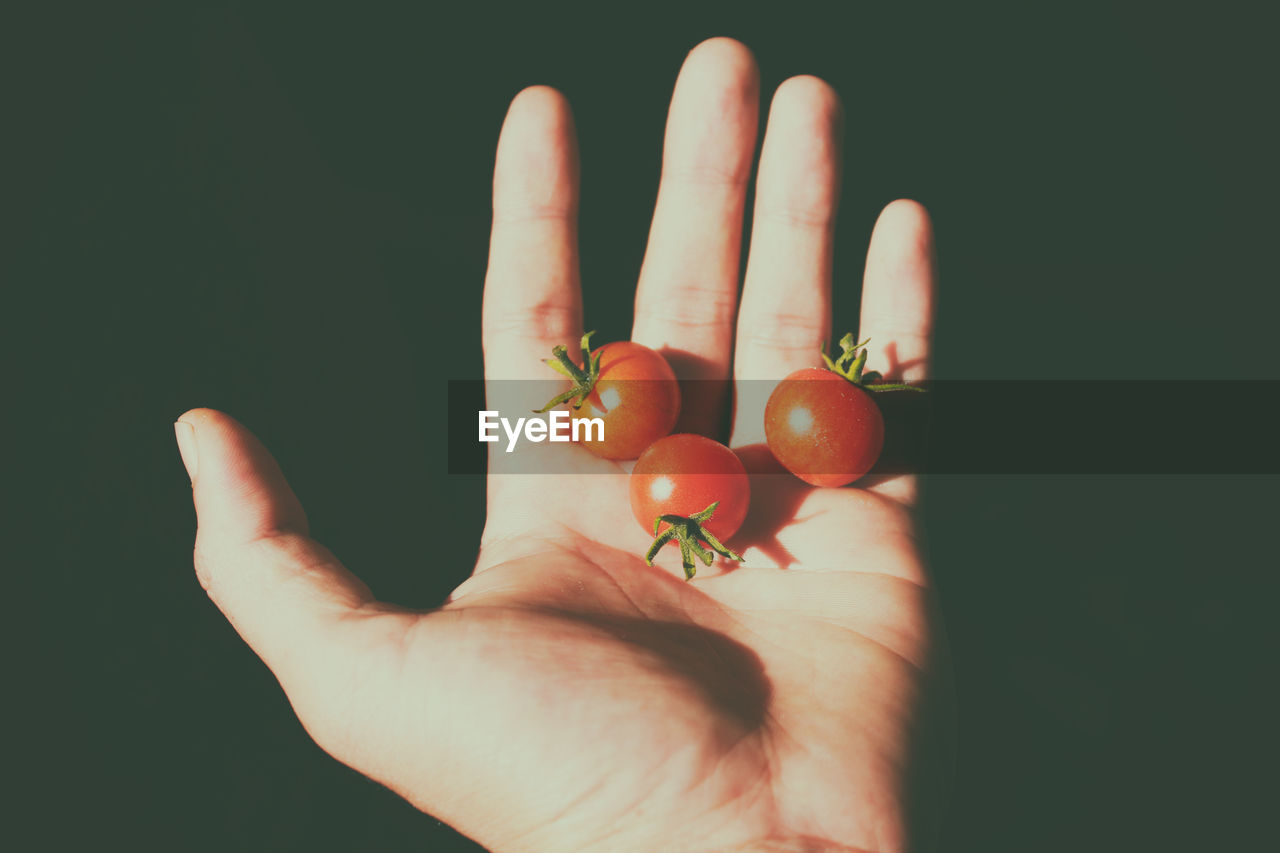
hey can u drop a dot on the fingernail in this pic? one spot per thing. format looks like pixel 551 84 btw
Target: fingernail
pixel 187 446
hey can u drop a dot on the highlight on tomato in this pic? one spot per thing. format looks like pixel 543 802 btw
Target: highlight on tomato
pixel 822 424
pixel 630 387
pixel 693 490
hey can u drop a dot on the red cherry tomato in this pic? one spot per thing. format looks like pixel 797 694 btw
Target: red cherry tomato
pixel 823 428
pixel 683 474
pixel 637 397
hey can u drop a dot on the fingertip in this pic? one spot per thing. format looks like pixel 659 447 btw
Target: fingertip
pixel 801 162
pixel 907 216
pixel 187 447
pixel 902 244
pixel 201 419
pixel 538 97
pixel 187 428
pixel 536 172
pixel 722 55
pixel 240 492
pixel 538 107
pixel 809 95
pixel 192 415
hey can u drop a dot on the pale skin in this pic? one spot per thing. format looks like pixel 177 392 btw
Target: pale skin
pixel 567 696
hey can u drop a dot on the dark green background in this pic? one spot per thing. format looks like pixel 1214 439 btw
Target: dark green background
pixel 282 212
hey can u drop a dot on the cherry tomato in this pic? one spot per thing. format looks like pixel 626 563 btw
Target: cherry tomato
pixel 637 397
pixel 630 388
pixel 823 428
pixel 683 474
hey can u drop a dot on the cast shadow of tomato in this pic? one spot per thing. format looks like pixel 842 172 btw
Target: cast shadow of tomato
pixel 704 399
pixel 906 435
pixel 776 496
pixel 894 369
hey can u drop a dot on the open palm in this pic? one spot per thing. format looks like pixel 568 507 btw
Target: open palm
pixel 567 696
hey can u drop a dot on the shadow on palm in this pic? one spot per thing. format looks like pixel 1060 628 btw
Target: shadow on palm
pixel 723 693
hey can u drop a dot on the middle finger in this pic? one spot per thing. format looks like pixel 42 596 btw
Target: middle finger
pixel 688 288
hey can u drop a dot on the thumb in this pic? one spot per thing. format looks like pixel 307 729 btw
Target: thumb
pixel 240 493
pixel 286 595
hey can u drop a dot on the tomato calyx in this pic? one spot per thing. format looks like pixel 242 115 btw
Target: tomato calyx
pixel 584 380
pixel 689 534
pixel 851 364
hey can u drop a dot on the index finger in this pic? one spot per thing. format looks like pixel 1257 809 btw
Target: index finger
pixel 532 295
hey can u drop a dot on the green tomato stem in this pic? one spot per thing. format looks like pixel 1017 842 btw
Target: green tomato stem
pixel 689 535
pixel 583 378
pixel 851 364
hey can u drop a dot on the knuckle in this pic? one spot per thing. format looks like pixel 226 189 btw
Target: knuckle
pixel 706 175
pixel 782 331
pixel 544 320
pixel 510 214
pixel 888 329
pixel 818 216
pixel 697 309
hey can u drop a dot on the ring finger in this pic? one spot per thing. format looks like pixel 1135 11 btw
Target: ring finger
pixel 786 300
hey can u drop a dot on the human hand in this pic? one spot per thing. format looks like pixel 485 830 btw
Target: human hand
pixel 566 696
